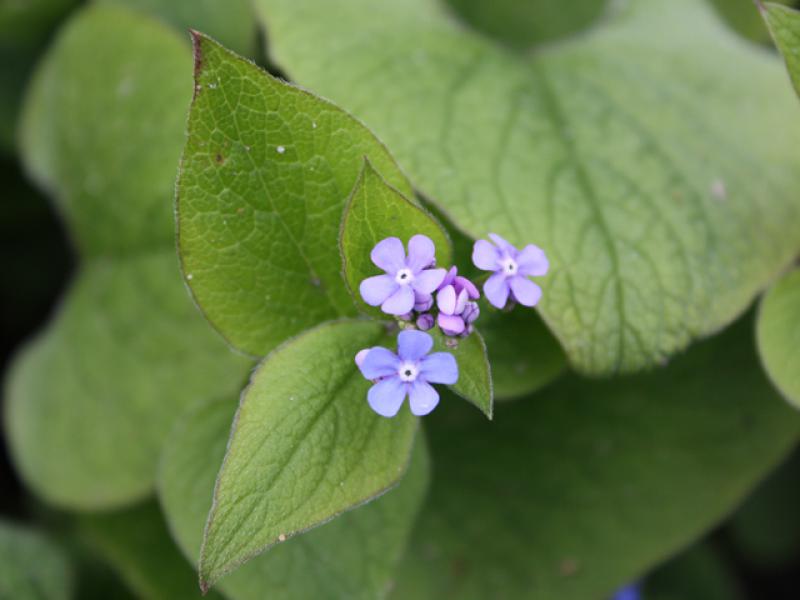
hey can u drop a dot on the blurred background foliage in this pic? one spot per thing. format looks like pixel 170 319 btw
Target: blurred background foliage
pixel 129 553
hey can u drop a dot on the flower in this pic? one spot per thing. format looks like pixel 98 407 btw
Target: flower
pixel 407 280
pixel 425 322
pixel 511 268
pixel 410 373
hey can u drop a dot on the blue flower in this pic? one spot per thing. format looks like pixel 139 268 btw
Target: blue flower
pixel 410 373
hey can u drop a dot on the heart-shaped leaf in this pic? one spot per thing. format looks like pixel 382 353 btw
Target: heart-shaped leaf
pixel 778 337
pixel 642 465
pixel 90 401
pixel 265 175
pixel 658 171
pixel 305 447
pixel 353 556
pixel 784 26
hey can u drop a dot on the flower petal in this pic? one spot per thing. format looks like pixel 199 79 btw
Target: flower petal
pixel 375 290
pixel 422 398
pixel 450 277
pixel 503 244
pixel 485 256
pixel 389 255
pixel 421 253
pixel 525 291
pixel 439 367
pixel 466 284
pixel 532 261
pixel 400 302
pixel 496 290
pixel 446 300
pixel 451 324
pixel 413 345
pixel 379 362
pixel 461 302
pixel 428 280
pixel 386 397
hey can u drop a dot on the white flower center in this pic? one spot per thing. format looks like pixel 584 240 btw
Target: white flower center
pixel 408 372
pixel 509 266
pixel 404 276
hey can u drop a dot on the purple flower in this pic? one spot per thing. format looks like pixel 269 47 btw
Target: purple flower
pixel 511 268
pixel 407 373
pixel 425 322
pixel 407 279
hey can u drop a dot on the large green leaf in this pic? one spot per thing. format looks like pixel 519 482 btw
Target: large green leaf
pixel 652 158
pixel 136 544
pixel 599 481
pixel 90 401
pixel 31 566
pixel 784 26
pixel 265 175
pixel 353 556
pixel 305 446
pixel 778 334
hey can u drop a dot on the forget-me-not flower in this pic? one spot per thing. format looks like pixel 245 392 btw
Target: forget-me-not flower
pixel 511 269
pixel 410 373
pixel 407 280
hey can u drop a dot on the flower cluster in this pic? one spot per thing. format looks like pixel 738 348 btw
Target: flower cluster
pixel 412 288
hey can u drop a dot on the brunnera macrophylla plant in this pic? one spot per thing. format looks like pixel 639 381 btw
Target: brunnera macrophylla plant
pixel 650 167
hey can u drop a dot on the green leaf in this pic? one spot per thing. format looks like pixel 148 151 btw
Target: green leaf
pixel 524 355
pixel 778 335
pixel 658 171
pixel 305 446
pixel 90 401
pixel 231 22
pixel 474 373
pixel 784 26
pixel 109 72
pixel 265 175
pixel 353 556
pixel 374 212
pixel 32 567
pixel 643 465
pixel 136 544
